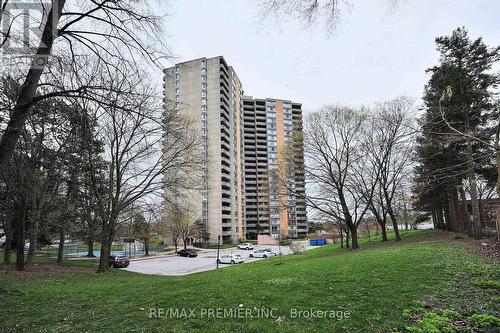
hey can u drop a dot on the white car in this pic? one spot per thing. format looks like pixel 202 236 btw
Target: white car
pixel 245 246
pixel 230 259
pixel 274 253
pixel 262 253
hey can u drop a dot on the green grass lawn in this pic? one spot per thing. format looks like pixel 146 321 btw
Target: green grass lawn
pixel 384 287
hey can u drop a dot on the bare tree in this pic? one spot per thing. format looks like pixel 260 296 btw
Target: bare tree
pixel 142 142
pixel 111 30
pixel 336 224
pixel 310 12
pixel 182 220
pixel 186 229
pixel 145 220
pixel 173 224
pixel 393 137
pixel 338 165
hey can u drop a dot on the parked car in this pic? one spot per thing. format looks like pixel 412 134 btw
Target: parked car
pixel 261 253
pixel 187 253
pixel 245 246
pixel 230 259
pixel 118 261
pixel 274 253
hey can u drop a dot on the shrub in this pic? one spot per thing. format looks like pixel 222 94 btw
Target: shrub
pixel 450 314
pixel 488 284
pixel 432 323
pixel 296 247
pixel 285 242
pixel 484 320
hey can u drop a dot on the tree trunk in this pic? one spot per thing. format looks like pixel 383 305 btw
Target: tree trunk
pixel 498 180
pixel 383 227
pixel 90 235
pixel 103 258
pixel 473 192
pixel 394 223
pixel 447 214
pixel 90 248
pixel 406 219
pixel 20 234
pixel 434 224
pixel 8 239
pixel 105 247
pixel 368 232
pixel 60 249
pixel 354 238
pixel 465 212
pixel 22 107
pixel 381 221
pixel 347 238
pixel 33 236
pixel 440 218
pixel 341 233
pixel 457 214
pixel 146 248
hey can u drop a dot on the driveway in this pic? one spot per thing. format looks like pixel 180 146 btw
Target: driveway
pixel 205 261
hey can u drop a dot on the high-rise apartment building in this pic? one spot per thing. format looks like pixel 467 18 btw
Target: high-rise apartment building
pixel 209 92
pixel 274 168
pixel 253 159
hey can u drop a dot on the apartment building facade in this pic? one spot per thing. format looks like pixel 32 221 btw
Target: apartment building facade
pixel 209 93
pixel 274 168
pixel 244 145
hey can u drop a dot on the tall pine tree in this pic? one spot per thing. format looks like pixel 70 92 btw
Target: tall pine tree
pixel 458 108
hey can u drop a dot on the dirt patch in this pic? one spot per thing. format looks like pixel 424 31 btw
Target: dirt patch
pixel 44 270
pixel 488 249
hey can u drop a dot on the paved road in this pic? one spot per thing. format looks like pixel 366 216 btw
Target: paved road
pixel 205 261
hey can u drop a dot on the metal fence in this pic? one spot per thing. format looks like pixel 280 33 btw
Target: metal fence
pixel 81 250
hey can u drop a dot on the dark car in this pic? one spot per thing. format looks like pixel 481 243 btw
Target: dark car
pixel 118 261
pixel 187 253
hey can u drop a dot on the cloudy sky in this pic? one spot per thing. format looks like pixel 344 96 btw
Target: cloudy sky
pixel 375 54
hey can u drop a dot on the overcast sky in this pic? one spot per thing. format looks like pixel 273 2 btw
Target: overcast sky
pixel 375 54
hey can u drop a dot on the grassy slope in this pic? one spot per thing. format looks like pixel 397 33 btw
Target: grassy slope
pixel 375 284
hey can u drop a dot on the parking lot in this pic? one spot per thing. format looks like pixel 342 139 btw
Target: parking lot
pixel 205 261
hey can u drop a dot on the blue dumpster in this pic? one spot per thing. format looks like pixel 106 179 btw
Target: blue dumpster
pixel 317 242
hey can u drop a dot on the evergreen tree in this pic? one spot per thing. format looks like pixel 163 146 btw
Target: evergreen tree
pixel 458 108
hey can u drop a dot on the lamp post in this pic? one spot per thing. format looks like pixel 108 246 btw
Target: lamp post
pixel 218 245
pixel 279 247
